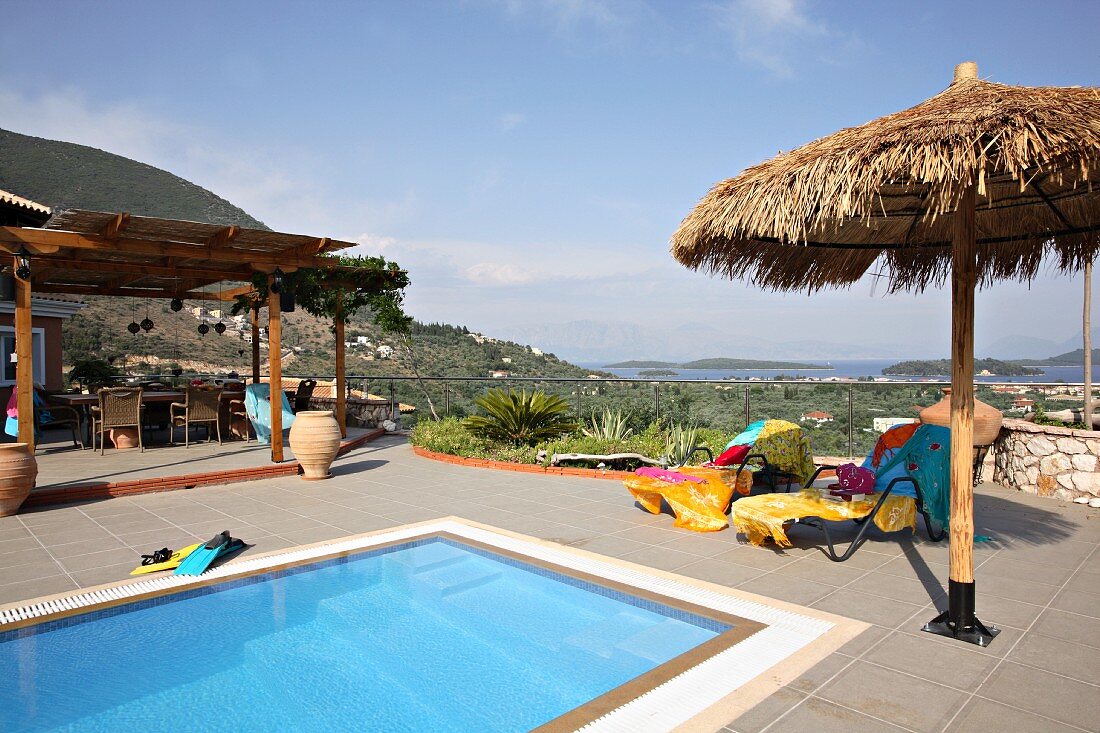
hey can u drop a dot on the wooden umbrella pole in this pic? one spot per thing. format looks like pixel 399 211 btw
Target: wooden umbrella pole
pixel 963 281
pixel 959 620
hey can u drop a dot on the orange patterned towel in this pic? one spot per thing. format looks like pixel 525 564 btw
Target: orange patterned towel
pixel 698 507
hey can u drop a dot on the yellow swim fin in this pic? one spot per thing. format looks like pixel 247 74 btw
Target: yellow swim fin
pixel 172 562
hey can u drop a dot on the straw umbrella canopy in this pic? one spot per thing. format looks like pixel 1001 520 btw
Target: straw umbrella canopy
pixel 976 184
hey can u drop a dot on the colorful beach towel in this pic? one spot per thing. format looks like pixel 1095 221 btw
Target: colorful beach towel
pixel 698 504
pixel 783 443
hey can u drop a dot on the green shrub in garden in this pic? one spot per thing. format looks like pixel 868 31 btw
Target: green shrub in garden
pixel 520 417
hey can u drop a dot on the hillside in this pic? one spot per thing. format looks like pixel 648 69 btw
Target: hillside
pixel 66 175
pixel 942 367
pixel 63 175
pixel 1070 358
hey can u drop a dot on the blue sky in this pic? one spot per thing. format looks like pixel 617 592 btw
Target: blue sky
pixel 528 161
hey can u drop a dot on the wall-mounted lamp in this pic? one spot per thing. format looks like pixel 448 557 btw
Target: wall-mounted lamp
pixel 23 263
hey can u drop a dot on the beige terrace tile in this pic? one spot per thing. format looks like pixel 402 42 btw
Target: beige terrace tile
pixel 1036 691
pixel 913 703
pixel 984 716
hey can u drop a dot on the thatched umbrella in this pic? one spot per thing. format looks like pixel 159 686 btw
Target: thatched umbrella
pixel 980 181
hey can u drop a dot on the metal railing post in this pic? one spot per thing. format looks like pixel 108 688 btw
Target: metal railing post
pixel 851 418
pixel 656 402
pixel 446 400
pixel 393 406
pixel 748 407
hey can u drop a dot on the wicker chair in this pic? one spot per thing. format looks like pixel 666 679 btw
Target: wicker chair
pixel 119 407
pixel 202 407
pixel 303 393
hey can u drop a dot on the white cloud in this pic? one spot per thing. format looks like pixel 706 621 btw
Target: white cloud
pixel 510 121
pixel 493 273
pixel 768 33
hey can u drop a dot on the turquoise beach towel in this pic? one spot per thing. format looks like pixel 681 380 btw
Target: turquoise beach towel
pixel 257 403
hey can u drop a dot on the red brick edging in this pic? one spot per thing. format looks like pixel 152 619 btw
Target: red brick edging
pixel 521 467
pixel 110 489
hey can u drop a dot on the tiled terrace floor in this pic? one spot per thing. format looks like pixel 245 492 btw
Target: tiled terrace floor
pixel 1039 579
pixel 62 464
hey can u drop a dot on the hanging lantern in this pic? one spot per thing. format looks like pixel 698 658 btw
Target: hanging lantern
pixel 146 324
pixel 219 327
pixel 176 305
pixel 203 329
pixel 277 281
pixel 23 263
pixel 133 328
pixel 176 372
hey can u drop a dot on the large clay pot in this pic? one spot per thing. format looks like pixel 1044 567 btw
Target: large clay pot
pixel 124 437
pixel 18 470
pixel 315 439
pixel 987 419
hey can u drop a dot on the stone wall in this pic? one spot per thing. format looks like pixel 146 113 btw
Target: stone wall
pixel 361 412
pixel 1048 461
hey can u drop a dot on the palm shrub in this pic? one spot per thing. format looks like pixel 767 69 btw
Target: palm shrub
pixel 519 417
pixel 610 426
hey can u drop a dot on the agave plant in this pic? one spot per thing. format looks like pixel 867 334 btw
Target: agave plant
pixel 611 426
pixel 519 417
pixel 679 444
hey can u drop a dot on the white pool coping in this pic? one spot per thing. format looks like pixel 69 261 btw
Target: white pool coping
pixel 695 699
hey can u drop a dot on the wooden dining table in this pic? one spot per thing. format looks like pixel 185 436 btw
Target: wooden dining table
pixel 84 402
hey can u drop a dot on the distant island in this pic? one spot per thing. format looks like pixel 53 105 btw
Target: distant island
pixel 719 363
pixel 942 368
pixel 658 373
pixel 1070 358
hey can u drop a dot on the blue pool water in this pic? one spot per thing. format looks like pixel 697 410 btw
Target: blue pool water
pixel 429 636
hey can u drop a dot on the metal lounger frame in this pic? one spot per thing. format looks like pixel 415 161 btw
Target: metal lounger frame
pixel 866 522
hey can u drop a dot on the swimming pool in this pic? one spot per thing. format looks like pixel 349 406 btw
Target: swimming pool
pixel 442 625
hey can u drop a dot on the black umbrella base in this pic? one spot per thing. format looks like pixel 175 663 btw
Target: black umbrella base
pixel 959 621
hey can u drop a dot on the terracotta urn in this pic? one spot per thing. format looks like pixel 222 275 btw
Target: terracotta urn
pixel 987 418
pixel 315 439
pixel 18 470
pixel 124 437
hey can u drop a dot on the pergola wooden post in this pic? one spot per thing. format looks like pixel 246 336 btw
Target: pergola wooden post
pixel 255 312
pixel 24 366
pixel 341 372
pixel 275 369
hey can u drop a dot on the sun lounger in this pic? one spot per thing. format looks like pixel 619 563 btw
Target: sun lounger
pixel 912 475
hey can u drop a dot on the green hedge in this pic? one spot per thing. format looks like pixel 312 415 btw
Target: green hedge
pixel 449 436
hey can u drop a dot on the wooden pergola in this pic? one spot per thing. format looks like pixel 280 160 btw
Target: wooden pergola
pixel 101 253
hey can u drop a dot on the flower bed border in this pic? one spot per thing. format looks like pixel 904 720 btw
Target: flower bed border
pixel 521 467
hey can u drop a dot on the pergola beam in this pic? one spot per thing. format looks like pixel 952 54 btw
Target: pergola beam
pixel 52 261
pixel 122 245
pixel 115 226
pixel 129 292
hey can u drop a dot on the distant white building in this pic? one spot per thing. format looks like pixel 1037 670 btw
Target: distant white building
pixel 536 352
pixel 499 374
pixel 362 340
pixel 882 424
pixel 506 359
pixel 385 351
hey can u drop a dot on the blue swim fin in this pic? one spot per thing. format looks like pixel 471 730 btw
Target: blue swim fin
pixel 199 560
